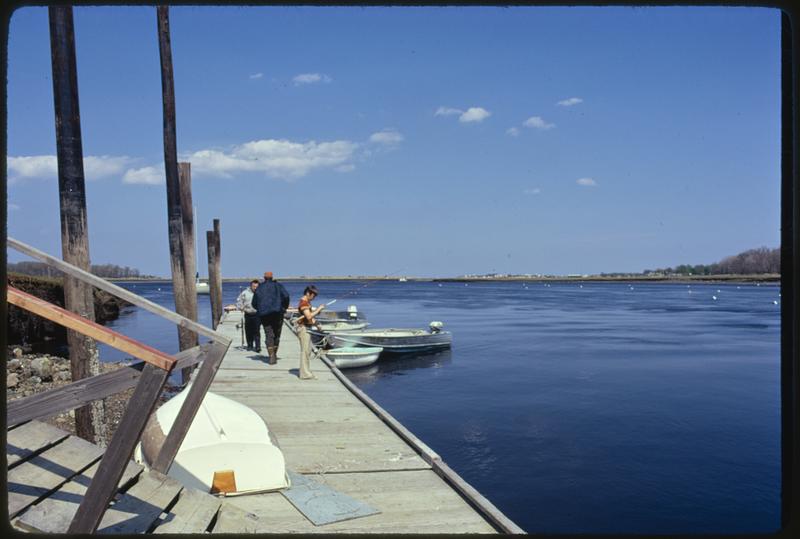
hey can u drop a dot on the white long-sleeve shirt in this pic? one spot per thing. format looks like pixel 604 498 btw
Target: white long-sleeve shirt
pixel 245 301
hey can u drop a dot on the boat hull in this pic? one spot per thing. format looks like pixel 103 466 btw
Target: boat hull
pixel 352 357
pixel 393 341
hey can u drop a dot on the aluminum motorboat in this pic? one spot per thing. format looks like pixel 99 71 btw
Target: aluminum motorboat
pixel 394 340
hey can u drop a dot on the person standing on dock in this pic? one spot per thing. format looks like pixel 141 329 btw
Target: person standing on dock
pixel 270 300
pixel 252 323
pixel 306 319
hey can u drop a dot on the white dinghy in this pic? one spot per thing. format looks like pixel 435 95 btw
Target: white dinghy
pixel 228 448
pixel 351 357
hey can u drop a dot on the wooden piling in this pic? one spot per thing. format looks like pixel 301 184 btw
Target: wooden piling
pixel 217 269
pixel 175 214
pixel 189 255
pixel 78 296
pixel 211 247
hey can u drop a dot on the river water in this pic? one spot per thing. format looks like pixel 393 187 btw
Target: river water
pixel 577 408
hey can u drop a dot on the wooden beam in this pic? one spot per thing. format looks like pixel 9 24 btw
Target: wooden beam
pixel 217 271
pixel 91 329
pixel 200 384
pixel 78 297
pixel 119 452
pixel 118 291
pixel 71 396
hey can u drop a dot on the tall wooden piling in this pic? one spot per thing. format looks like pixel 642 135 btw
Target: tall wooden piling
pixel 78 296
pixel 211 248
pixel 175 218
pixel 189 255
pixel 218 267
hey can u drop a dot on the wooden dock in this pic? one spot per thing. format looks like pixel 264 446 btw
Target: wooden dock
pixel 328 431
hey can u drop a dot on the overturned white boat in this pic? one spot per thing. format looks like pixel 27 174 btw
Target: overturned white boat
pixel 227 450
pixel 352 357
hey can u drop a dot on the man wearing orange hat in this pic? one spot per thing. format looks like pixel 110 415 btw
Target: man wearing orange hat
pixel 270 301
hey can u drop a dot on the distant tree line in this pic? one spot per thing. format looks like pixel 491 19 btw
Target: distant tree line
pixel 40 269
pixel 754 261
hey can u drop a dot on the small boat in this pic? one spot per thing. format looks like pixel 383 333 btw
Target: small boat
pixel 351 357
pixel 395 340
pixel 202 287
pixel 336 325
pixel 228 448
pixel 352 314
pixel 402 279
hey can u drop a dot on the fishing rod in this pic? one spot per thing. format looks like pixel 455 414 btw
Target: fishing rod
pixel 358 289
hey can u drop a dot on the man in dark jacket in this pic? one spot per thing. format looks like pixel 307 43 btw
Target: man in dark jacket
pixel 270 301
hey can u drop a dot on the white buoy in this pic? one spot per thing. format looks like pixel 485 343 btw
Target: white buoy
pixel 714 298
pixel 774 302
pixel 717 291
pixel 159 289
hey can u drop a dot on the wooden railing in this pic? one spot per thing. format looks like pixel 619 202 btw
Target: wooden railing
pixel 149 377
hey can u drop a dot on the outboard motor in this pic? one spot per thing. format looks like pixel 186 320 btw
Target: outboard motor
pixel 436 327
pixel 352 311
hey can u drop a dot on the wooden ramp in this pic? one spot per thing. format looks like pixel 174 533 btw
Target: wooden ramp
pixel 50 470
pixel 330 435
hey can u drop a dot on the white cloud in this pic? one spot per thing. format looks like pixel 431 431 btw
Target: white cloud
pixel 46 166
pixel 538 123
pixel 275 158
pixel 387 136
pixel 513 131
pixel 569 102
pixel 13 207
pixel 586 181
pixel 345 168
pixel 145 175
pixel 534 191
pixel 474 114
pixel 447 111
pixel 256 76
pixel 310 78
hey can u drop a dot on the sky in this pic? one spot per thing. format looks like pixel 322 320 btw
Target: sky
pixel 412 141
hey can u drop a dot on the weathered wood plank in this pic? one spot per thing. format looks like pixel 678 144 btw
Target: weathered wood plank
pixel 215 279
pixel 211 246
pixel 233 519
pixel 138 509
pixel 189 258
pixel 35 478
pixel 200 385
pixel 118 291
pixel 29 439
pixel 54 513
pixel 120 450
pixel 89 328
pixel 193 513
pixel 78 393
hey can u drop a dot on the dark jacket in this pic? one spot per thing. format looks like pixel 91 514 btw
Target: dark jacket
pixel 270 298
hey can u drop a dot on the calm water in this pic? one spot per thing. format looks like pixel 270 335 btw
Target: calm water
pixel 601 408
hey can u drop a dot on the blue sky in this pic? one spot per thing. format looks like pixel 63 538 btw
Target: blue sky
pixel 422 141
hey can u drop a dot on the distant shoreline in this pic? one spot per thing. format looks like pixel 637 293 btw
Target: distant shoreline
pixel 770 277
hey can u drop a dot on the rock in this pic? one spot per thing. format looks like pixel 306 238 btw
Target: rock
pixel 17 353
pixel 12 380
pixel 62 376
pixel 14 365
pixel 35 380
pixel 42 368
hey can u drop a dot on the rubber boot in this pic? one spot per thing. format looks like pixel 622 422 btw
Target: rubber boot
pixel 273 355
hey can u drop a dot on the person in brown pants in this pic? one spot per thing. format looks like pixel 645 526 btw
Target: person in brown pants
pixel 306 319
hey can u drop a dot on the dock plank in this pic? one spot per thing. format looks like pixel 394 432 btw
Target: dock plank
pixel 54 513
pixel 46 472
pixel 192 514
pixel 234 519
pixel 29 439
pixel 139 508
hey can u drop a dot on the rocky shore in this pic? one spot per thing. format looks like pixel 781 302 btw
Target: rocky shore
pixel 30 373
